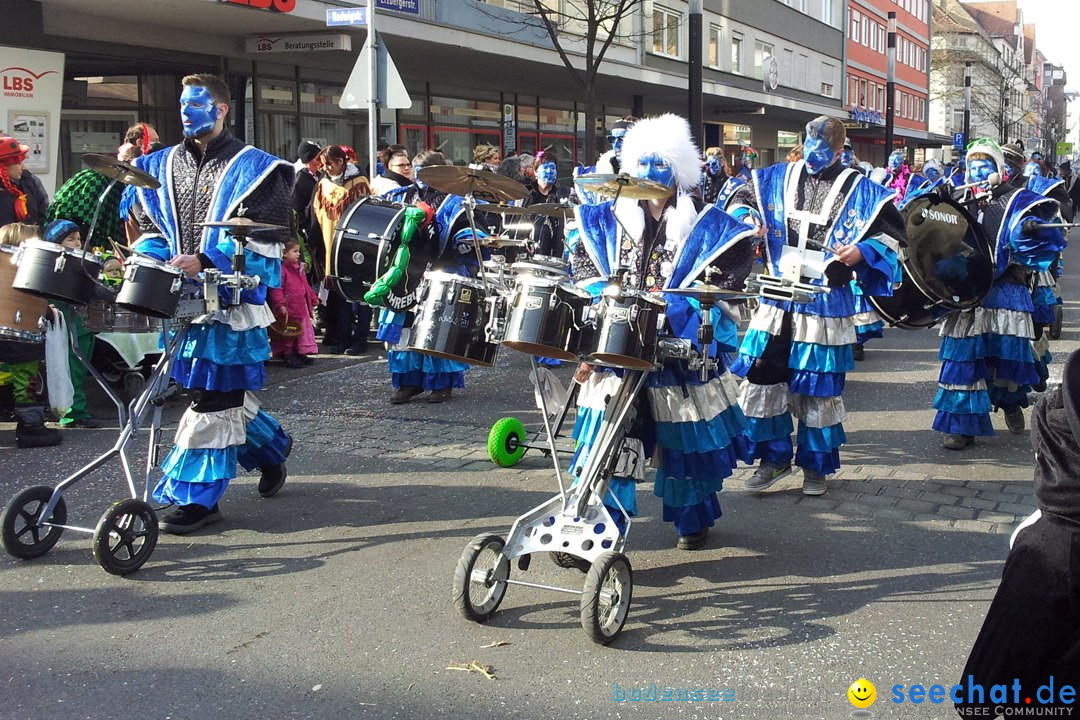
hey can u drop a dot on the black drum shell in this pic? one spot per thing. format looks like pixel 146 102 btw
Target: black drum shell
pixel 149 290
pixel 37 273
pixel 909 308
pixel 451 321
pixel 619 341
pixel 545 319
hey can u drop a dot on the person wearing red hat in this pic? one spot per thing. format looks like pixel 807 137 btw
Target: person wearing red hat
pixel 22 196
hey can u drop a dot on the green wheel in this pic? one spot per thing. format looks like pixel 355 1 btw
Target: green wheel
pixel 504 442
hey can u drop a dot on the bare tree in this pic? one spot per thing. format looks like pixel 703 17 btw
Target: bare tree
pixel 582 32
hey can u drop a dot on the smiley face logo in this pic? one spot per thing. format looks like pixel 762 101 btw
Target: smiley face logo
pixel 862 693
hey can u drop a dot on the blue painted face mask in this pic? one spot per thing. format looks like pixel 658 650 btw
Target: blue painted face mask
pixel 980 169
pixel 546 173
pixel 1032 169
pixel 712 165
pixel 931 172
pixel 198 112
pixel 818 154
pixel 896 160
pixel 655 168
pixel 616 140
pixel 847 157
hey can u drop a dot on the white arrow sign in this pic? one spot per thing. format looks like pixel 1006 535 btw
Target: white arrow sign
pixel 392 92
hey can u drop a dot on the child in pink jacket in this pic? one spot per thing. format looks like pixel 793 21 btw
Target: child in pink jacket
pixel 297 300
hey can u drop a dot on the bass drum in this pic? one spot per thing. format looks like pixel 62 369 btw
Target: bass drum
pixel 947 264
pixel 366 240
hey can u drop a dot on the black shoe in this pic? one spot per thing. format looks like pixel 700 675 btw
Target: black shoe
pixel 7 403
pixel 30 431
pixel 293 362
pixel 188 518
pixel 306 359
pixel 858 351
pixel 440 396
pixel 693 542
pixel 273 477
pixel 356 350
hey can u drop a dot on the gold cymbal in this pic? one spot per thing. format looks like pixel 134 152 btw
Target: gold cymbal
pixel 504 209
pixel 481 184
pixel 709 293
pixel 121 171
pixel 552 210
pixel 242 226
pixel 624 185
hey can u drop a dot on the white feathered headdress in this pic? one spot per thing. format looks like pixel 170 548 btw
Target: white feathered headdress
pixel 669 137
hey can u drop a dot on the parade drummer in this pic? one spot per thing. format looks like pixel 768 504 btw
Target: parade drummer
pixel 214 175
pixel 987 357
pixel 795 355
pixel 694 426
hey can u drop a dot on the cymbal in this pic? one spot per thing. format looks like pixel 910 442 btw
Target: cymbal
pixel 121 171
pixel 624 185
pixel 709 293
pixel 501 242
pixel 242 226
pixel 481 184
pixel 504 209
pixel 552 210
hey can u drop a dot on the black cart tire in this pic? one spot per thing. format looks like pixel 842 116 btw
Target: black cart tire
pixel 480 578
pixel 125 537
pixel 22 537
pixel 605 599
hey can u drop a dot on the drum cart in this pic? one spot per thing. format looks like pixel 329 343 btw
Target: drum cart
pixel 508 439
pixel 574 522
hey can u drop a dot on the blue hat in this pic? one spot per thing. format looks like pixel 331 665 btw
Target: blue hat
pixel 57 230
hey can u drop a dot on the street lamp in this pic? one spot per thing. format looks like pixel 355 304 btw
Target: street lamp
pixel 694 79
pixel 890 85
pixel 967 101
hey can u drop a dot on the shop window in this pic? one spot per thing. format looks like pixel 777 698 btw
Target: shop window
pixel 276 94
pixel 457 143
pixel 320 99
pixel 473 113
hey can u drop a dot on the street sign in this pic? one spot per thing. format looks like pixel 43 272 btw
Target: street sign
pixel 406 6
pixel 392 92
pixel 958 140
pixel 349 16
pixel 1064 148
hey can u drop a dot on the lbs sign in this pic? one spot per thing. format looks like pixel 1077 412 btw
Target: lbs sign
pixel 19 81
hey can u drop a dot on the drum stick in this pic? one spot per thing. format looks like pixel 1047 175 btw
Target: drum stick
pixel 1029 227
pixel 992 180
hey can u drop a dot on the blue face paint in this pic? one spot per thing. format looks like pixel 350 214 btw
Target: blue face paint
pixel 847 157
pixel 979 170
pixel 1032 168
pixel 818 154
pixel 655 168
pixel 931 173
pixel 615 137
pixel 416 174
pixel 546 173
pixel 198 113
pixel 712 165
pixel 896 160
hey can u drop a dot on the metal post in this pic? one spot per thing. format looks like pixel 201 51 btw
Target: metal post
pixel 967 103
pixel 373 95
pixel 695 86
pixel 890 86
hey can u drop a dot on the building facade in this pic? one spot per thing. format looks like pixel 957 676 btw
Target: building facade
pixel 867 76
pixel 475 71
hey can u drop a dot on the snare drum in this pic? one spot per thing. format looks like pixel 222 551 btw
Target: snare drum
pixel 20 314
pixel 150 287
pixel 545 317
pixel 452 320
pixel 55 272
pixel 102 316
pixel 542 265
pixel 625 330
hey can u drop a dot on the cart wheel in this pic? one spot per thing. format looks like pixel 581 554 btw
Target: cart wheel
pixel 22 536
pixel 480 578
pixel 606 597
pixel 1055 325
pixel 125 537
pixel 566 560
pixel 134 384
pixel 504 442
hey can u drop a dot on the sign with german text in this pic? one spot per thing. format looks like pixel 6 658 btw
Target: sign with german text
pixel 297 43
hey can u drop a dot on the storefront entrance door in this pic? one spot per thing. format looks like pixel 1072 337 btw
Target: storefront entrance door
pixel 89 131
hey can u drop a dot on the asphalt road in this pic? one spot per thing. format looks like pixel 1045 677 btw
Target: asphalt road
pixel 333 599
